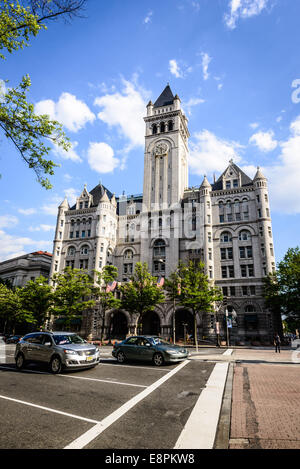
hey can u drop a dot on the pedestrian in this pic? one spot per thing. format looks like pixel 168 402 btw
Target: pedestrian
pixel 277 343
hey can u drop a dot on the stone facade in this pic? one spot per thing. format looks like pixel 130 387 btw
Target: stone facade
pixel 19 270
pixel 225 223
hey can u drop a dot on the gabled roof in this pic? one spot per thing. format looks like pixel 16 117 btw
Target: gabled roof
pixel 245 180
pixel 165 98
pixel 97 193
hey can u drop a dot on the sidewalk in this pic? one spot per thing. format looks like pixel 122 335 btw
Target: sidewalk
pixel 265 410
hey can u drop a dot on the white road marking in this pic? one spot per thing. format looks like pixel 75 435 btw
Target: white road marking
pixel 95 431
pixel 200 430
pixel 103 381
pixel 228 351
pixel 48 409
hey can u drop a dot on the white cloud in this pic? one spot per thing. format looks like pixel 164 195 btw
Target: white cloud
pixel 101 157
pixel 125 111
pixel 51 207
pixel 206 59
pixel 8 221
pixel 42 227
pixel 73 113
pixel 209 154
pixel 148 18
pixel 13 246
pixel 264 141
pixel 175 69
pixel 243 9
pixel 254 125
pixel 71 195
pixel 27 211
pixel 67 155
pixel 191 103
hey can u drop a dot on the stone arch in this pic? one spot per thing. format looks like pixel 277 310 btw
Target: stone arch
pixel 151 323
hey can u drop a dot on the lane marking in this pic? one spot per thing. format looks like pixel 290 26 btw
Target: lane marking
pixel 228 351
pixel 200 430
pixel 49 409
pixel 103 381
pixel 75 377
pixel 95 431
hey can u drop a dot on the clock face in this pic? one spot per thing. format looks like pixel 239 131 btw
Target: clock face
pixel 161 149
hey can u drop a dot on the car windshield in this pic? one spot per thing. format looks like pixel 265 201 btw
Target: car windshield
pixel 157 340
pixel 68 339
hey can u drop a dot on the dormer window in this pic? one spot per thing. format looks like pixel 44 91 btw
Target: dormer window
pixel 228 185
pixel 235 183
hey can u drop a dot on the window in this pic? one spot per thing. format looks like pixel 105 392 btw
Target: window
pixel 244 290
pixel 170 125
pixel 83 234
pixel 232 291
pixel 228 185
pixel 247 270
pixel 235 183
pixel 226 237
pixel 269 231
pixel 71 234
pixel 271 250
pixel 244 235
pixel 210 254
pixel 225 291
pixel 127 268
pixel 159 248
pixel 210 272
pixel 71 251
pixel 226 253
pixel 128 254
pixel 267 212
pixel 154 129
pixel 209 237
pixel 77 234
pixel 84 250
pixel 221 218
pixel 227 271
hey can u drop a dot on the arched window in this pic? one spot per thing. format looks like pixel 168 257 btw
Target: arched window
pixel 170 126
pixel 159 248
pixel 154 129
pixel 84 250
pixel 244 235
pixel 226 237
pixel 71 251
pixel 162 127
pixel 128 254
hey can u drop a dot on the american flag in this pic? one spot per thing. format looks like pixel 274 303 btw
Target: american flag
pixel 160 281
pixel 111 286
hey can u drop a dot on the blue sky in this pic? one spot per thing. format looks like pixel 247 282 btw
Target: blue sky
pixel 235 65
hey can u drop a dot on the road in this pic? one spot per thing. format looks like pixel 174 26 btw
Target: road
pixel 110 406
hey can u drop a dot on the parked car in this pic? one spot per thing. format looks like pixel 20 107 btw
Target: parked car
pixel 295 343
pixel 13 339
pixel 149 348
pixel 59 350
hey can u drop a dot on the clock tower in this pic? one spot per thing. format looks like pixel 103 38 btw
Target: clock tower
pixel 166 151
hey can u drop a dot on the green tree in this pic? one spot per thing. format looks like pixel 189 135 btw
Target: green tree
pixel 141 294
pixel 36 299
pixel 28 132
pixel 72 294
pixel 195 292
pixel 282 288
pixel 11 311
pixel 106 280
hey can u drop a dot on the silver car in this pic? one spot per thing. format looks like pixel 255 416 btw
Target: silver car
pixel 58 349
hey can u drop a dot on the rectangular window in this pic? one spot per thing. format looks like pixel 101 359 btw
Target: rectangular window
pixel 229 217
pixel 83 234
pixel 231 271
pixel 229 253
pixel 238 217
pixel 224 271
pixel 71 234
pixel 228 185
pixel 242 253
pixel 244 290
pixel 243 270
pixel 251 270
pixel 209 237
pixel 269 231
pixel 223 253
pixel 259 213
pixel 232 291
pixel 267 212
pixel 221 218
pixel 235 183
pixel 225 291
pixel 210 272
pixel 252 290
pixel 249 252
pixel 210 254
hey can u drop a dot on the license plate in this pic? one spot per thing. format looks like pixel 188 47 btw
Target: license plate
pixel 89 359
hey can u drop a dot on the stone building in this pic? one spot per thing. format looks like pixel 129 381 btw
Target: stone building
pixel 225 223
pixel 19 270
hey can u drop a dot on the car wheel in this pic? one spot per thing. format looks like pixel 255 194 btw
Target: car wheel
pixel 55 365
pixel 20 361
pixel 121 357
pixel 158 359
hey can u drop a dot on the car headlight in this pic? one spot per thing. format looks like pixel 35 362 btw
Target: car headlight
pixel 172 352
pixel 70 352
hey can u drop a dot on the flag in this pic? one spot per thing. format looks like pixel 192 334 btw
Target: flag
pixel 160 281
pixel 111 286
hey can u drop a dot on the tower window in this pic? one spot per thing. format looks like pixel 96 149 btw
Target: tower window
pixel 170 126
pixel 154 129
pixel 162 127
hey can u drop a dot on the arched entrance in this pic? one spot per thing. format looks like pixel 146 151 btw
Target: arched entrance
pixel 184 323
pixel 151 323
pixel 118 325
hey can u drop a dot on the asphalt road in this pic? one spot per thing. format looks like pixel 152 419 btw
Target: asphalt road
pixel 134 405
